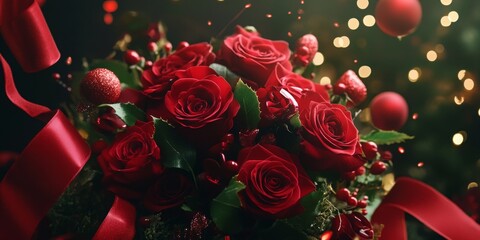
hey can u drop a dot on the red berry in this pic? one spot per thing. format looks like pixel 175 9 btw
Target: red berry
pixel 352 201
pixel 152 46
pixel 378 168
pixel 148 64
pixel 362 204
pixel 328 86
pixel 343 194
pixel 168 47
pixel 364 211
pixel 56 76
pixel 231 168
pixel 386 156
pixel 339 88
pixel 370 149
pixel 182 44
pixel 131 57
pixel 360 171
pixel 349 176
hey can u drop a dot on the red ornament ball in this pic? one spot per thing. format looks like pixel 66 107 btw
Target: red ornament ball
pixel 389 111
pixel 100 85
pixel 398 17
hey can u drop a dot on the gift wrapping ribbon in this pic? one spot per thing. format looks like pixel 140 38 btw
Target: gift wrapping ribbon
pixel 54 157
pixel 428 206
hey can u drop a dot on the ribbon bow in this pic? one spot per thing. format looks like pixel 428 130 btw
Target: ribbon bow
pixel 57 153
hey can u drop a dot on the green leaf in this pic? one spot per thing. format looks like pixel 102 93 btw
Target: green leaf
pixel 249 113
pixel 381 137
pixel 226 211
pixel 223 71
pixel 295 121
pixel 311 205
pixel 176 153
pixel 128 112
pixel 127 77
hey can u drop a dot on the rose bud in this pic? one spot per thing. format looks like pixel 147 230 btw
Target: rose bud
pixel 370 150
pixel 109 122
pixel 351 226
pixel 352 86
pixel 305 50
pixel 276 103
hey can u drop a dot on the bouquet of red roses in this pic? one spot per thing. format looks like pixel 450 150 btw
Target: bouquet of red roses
pixel 229 142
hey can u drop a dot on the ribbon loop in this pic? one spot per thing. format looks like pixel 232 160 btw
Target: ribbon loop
pixel 119 222
pixel 28 36
pixel 428 206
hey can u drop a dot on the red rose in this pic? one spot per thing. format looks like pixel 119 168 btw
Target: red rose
pixel 294 83
pixel 274 182
pixel 253 57
pixel 351 226
pixel 276 103
pixel 331 139
pixel 170 190
pixel 201 103
pixel 132 161
pixel 156 81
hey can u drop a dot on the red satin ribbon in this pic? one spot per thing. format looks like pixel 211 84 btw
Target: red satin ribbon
pixel 119 222
pixel 428 206
pixel 57 153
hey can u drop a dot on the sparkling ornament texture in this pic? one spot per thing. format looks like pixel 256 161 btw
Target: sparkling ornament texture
pixel 350 84
pixel 389 111
pixel 398 17
pixel 101 85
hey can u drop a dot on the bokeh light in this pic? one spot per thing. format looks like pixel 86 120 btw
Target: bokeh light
pixel 369 21
pixel 353 23
pixel 364 71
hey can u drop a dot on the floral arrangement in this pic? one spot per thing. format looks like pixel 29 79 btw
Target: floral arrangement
pixel 230 139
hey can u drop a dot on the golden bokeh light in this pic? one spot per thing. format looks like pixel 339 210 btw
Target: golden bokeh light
pixel 318 59
pixel 453 16
pixel 369 21
pixel 458 100
pixel 353 23
pixel 414 74
pixel 468 84
pixel 445 21
pixel 457 139
pixel 461 74
pixel 362 4
pixel 446 2
pixel 432 55
pixel 325 80
pixel 364 71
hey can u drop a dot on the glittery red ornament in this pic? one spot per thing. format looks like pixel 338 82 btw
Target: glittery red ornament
pixel 101 86
pixel 398 17
pixel 389 111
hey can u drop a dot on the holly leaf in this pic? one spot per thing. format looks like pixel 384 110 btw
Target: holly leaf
pixel 223 71
pixel 175 152
pixel 381 137
pixel 249 113
pixel 127 77
pixel 226 211
pixel 128 112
